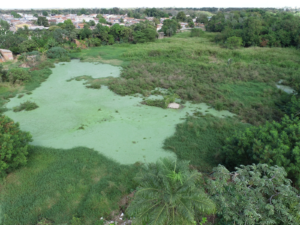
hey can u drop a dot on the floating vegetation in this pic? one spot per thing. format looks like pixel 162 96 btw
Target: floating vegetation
pixel 27 106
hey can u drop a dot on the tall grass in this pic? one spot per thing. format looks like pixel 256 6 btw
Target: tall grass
pixel 58 184
pixel 199 140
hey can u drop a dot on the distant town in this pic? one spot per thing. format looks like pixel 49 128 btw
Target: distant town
pixel 30 20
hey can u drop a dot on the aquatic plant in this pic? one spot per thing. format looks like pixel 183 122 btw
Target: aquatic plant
pixel 27 106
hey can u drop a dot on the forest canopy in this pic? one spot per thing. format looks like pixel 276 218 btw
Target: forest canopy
pixel 257 28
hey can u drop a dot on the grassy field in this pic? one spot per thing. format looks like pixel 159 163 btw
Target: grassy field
pixel 57 185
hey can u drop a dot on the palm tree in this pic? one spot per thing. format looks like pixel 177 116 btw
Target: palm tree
pixel 168 193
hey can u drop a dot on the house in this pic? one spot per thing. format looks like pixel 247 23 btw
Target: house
pixel 6 55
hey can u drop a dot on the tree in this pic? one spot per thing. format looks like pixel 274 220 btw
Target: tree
pixel 57 52
pixel 45 13
pixel 92 23
pixel 256 194
pixel 28 46
pixel 169 193
pixel 202 18
pixel 275 143
pixel 101 32
pixel 82 11
pixel 181 16
pixel 115 31
pixel 59 35
pixel 16 15
pixel 14 145
pixel 4 25
pixel 102 20
pixel 252 28
pixel 170 27
pixel 42 21
pixel 121 20
pixel 191 24
pixel 85 32
pixel 68 25
pixel 234 42
pixel 145 35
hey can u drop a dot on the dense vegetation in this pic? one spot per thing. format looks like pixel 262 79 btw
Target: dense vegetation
pixel 201 73
pixel 59 184
pixel 169 193
pixel 257 28
pixel 64 34
pixel 81 186
pixel 275 143
pixel 254 194
pixel 13 145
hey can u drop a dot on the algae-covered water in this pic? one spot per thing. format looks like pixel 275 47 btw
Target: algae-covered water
pixel 71 115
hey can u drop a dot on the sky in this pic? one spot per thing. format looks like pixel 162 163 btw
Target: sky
pixel 27 4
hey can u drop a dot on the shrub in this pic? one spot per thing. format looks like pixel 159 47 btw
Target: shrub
pixel 256 194
pixel 57 52
pixel 275 143
pixel 196 32
pixel 27 106
pixel 234 42
pixel 20 74
pixel 3 74
pixel 13 145
pixel 292 107
pixel 93 42
pixel 28 46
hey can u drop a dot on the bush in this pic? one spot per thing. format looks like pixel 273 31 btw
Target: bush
pixel 3 74
pixel 27 106
pixel 273 143
pixel 256 194
pixel 57 52
pixel 234 42
pixel 196 32
pixel 13 145
pixel 20 74
pixel 292 107
pixel 92 42
pixel 28 46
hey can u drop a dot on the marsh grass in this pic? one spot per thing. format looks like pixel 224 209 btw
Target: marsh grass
pixel 199 139
pixel 155 102
pixel 27 106
pixel 91 82
pixel 59 184
pixel 196 69
pixel 38 74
